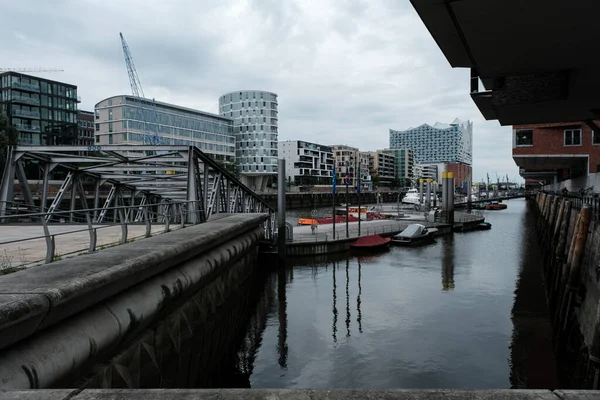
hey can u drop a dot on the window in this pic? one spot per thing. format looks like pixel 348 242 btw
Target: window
pixel 110 115
pixel 573 137
pixel 97 112
pixel 595 137
pixel 110 127
pixel 524 137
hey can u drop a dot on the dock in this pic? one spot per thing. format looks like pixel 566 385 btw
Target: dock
pixel 305 242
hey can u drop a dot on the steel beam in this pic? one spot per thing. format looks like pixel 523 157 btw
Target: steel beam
pixel 7 183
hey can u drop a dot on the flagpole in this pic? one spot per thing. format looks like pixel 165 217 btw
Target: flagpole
pixel 333 182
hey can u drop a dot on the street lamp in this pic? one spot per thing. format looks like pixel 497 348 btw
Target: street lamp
pixel 347 182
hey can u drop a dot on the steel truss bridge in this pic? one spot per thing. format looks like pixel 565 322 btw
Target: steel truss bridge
pixel 131 177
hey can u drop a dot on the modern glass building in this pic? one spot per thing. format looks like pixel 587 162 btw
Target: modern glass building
pixel 120 120
pixel 255 119
pixel 43 111
pixel 447 143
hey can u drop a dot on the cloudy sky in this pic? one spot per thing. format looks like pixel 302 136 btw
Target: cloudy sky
pixel 346 71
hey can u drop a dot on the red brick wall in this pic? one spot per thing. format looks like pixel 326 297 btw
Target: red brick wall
pixel 549 139
pixel 461 172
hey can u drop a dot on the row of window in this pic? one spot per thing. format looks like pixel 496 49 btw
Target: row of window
pixel 572 137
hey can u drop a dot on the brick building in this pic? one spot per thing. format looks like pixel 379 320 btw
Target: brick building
pixel 463 175
pixel 557 152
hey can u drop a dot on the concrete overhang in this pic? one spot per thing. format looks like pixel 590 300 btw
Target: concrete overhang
pixel 535 58
pixel 551 161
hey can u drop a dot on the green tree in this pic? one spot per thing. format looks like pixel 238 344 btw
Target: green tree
pixel 231 167
pixel 8 137
pixel 376 181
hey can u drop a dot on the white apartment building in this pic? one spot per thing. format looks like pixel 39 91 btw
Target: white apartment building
pixel 306 163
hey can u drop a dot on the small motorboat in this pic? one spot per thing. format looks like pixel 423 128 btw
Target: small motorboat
pixel 414 235
pixel 496 206
pixel 372 242
pixel 484 226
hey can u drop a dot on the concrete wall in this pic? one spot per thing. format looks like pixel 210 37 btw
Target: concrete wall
pixel 58 322
pixel 572 276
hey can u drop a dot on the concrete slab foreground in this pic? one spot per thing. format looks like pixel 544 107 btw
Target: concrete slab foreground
pixel 48 394
pixel 297 394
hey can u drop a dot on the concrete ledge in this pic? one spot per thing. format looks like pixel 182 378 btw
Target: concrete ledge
pixel 75 284
pixel 66 349
pixel 300 394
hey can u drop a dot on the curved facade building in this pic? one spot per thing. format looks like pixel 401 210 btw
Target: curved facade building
pixel 254 115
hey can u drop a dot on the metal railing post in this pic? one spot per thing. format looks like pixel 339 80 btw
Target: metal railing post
pixel 147 221
pixel 123 226
pixel 167 218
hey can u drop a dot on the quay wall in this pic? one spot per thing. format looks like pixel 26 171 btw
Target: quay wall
pixel 569 234
pixel 132 315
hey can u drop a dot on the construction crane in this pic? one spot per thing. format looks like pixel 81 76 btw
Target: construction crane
pixel 30 70
pixel 150 118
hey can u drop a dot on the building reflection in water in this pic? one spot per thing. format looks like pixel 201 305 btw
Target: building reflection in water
pixel 448 262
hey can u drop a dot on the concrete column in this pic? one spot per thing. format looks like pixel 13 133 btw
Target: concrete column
pixel 469 193
pixel 555 184
pixel 450 187
pixel 421 190
pixel 281 208
pixel 444 191
pixel 428 195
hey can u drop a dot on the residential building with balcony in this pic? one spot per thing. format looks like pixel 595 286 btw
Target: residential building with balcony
pixel 255 119
pixel 363 169
pixel 306 164
pixel 404 165
pixel 43 111
pixel 85 128
pixel 382 168
pixel 125 119
pixel 559 155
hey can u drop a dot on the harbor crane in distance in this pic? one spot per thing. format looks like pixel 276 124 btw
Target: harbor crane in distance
pixel 146 109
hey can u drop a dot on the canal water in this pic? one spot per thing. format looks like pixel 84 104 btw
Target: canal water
pixel 466 312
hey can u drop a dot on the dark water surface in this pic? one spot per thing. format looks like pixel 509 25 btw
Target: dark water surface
pixel 439 316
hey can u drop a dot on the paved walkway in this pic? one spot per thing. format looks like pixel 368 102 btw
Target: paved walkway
pixel 325 232
pixel 31 246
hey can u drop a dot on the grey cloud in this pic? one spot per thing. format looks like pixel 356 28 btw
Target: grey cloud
pixel 345 71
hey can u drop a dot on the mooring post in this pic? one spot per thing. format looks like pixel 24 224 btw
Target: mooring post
pixel 450 197
pixel 445 193
pixel 281 208
pixel 420 191
pixel 428 195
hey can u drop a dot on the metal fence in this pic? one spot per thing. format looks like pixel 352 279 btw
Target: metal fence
pixel 578 201
pixel 131 223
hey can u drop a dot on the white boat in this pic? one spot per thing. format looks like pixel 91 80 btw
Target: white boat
pixel 414 235
pixel 412 197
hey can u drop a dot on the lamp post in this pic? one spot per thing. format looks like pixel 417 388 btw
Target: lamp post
pixel 333 184
pixel 359 173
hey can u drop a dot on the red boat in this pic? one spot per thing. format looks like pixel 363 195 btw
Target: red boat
pixel 372 242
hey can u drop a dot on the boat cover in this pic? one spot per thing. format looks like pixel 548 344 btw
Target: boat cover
pixel 370 241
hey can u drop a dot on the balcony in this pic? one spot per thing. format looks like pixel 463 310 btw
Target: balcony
pixel 26 128
pixel 26 114
pixel 26 86
pixel 26 100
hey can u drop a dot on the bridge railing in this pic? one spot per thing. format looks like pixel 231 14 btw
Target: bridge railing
pixel 71 232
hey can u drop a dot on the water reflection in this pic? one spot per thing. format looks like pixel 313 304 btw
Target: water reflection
pixel 347 298
pixel 407 332
pixel 335 311
pixel 358 310
pixel 282 347
pixel 448 262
